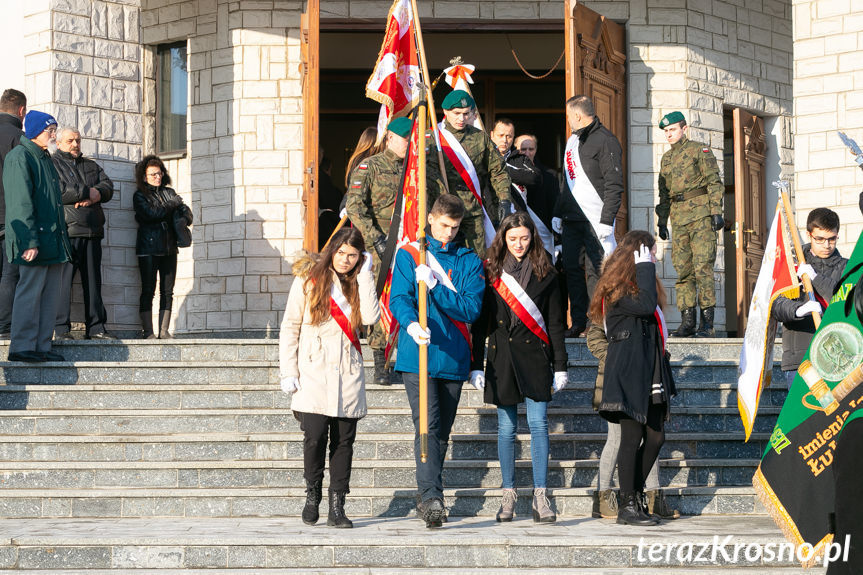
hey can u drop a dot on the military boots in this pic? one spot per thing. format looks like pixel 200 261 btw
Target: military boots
pixel 687 323
pixel 382 376
pixel 706 328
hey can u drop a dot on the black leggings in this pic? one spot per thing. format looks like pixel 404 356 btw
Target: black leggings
pixel 166 267
pixel 342 432
pixel 639 447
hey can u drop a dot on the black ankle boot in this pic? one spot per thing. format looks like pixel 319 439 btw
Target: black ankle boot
pixel 313 500
pixel 687 323
pixel 337 517
pixel 706 329
pixel 630 511
pixel 382 376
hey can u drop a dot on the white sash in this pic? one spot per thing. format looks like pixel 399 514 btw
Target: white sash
pixel 583 191
pixel 529 306
pixel 541 229
pixel 435 266
pixel 342 314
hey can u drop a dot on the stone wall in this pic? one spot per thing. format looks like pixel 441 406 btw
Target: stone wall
pixel 828 96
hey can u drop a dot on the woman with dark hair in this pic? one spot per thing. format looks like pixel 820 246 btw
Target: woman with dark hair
pixel 321 363
pixel 522 317
pixel 366 146
pixel 637 386
pixel 159 212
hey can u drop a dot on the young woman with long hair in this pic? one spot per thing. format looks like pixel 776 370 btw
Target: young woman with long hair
pixel 638 385
pixel 366 146
pixel 321 363
pixel 522 318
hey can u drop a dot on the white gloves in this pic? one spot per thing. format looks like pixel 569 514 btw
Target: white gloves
pixel 806 269
pixel 643 255
pixel 425 274
pixel 421 336
pixel 560 380
pixel 807 308
pixel 603 231
pixel 477 379
pixel 367 264
pixel 290 384
pixel 557 225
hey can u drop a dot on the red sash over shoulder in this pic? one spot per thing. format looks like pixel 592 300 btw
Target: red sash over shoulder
pixel 340 309
pixel 517 299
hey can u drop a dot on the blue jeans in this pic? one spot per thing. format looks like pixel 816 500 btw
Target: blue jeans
pixel 507 423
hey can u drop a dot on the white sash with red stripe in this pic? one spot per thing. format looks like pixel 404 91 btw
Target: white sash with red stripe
pixel 462 163
pixel 340 309
pixel 663 327
pixel 541 229
pixel 517 299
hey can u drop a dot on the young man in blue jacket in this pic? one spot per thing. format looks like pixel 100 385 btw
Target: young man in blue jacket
pixel 456 281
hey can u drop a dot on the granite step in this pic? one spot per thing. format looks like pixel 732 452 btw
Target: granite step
pixel 570 502
pixel 467 546
pixel 284 446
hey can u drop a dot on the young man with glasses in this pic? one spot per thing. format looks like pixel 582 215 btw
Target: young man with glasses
pixel 824 266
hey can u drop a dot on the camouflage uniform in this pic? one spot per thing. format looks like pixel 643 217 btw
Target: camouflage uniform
pixel 686 168
pixel 374 186
pixel 490 170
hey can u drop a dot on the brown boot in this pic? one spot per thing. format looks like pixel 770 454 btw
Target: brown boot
pixel 164 323
pixel 507 506
pixel 542 511
pixel 605 504
pixel 657 504
pixel 147 325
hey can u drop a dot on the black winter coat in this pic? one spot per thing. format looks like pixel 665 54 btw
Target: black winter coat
pixel 519 363
pixel 10 134
pixel 600 154
pixel 797 333
pixel 154 212
pixel 77 176
pixel 634 347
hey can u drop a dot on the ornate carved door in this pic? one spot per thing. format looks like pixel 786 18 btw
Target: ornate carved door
pixel 596 67
pixel 750 222
pixel 310 69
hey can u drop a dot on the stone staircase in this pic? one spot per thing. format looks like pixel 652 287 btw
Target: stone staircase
pixel 160 433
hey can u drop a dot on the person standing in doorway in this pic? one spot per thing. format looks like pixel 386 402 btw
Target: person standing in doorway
pixel 13 108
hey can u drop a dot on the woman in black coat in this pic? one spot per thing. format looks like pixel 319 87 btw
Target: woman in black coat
pixel 161 215
pixel 638 384
pixel 522 317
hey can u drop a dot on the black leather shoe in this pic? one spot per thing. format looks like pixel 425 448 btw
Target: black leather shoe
pixel 432 512
pixel 28 356
pixel 574 331
pixel 103 335
pixel 51 356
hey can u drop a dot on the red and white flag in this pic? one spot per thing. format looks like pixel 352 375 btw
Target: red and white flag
pixel 776 277
pixel 394 79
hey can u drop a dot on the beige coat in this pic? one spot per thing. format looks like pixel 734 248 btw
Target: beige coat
pixel 328 366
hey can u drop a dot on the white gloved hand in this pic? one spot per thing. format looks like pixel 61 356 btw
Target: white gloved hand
pixel 807 308
pixel 557 225
pixel 560 380
pixel 290 384
pixel 603 231
pixel 367 263
pixel 608 245
pixel 806 269
pixel 477 379
pixel 425 274
pixel 421 336
pixel 643 255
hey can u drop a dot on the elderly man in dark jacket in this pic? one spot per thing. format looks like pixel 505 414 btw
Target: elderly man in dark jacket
pixel 13 107
pixel 36 238
pixel 824 266
pixel 85 187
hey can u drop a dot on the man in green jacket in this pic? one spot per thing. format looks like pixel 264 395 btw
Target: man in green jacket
pixel 36 239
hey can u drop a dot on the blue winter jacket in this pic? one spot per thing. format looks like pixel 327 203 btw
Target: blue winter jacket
pixel 449 352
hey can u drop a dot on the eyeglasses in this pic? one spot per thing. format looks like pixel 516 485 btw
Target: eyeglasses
pixel 821 241
pixel 154 174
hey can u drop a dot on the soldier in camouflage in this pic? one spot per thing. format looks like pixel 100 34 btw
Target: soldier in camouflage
pixel 487 162
pixel 373 188
pixel 690 191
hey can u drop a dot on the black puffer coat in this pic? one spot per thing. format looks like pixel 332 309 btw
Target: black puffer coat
pixel 154 212
pixel 77 176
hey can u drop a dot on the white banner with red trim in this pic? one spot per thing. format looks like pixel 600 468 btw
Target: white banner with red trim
pixel 340 309
pixel 517 299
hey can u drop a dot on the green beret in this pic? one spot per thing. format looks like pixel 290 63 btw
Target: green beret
pixel 401 127
pixel 671 118
pixel 458 99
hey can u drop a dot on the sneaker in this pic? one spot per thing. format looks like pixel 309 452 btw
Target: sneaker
pixel 432 511
pixel 103 335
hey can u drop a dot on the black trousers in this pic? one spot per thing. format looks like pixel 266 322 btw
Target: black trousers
pixel 639 447
pixel 87 260
pixel 9 276
pixel 847 471
pixel 582 255
pixel 342 432
pixel 166 268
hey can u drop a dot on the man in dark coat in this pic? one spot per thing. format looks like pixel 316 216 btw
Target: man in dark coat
pixel 542 198
pixel 36 238
pixel 85 187
pixel 13 107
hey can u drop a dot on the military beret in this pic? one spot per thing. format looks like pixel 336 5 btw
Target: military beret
pixel 671 118
pixel 458 99
pixel 401 127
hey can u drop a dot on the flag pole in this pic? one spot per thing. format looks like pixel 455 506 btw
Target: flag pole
pixel 421 287
pixel 798 250
pixel 431 112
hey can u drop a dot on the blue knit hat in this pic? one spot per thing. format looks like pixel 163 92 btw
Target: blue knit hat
pixel 36 122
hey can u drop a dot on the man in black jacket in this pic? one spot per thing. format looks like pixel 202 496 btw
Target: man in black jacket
pixel 519 167
pixel 585 211
pixel 13 108
pixel 85 187
pixel 824 266
pixel 542 198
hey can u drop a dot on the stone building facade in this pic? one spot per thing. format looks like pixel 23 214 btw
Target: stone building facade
pixel 92 64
